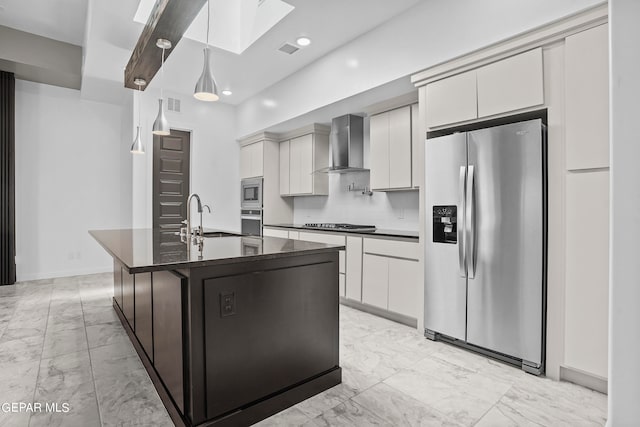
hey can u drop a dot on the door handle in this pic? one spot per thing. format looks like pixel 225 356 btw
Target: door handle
pixel 470 224
pixel 460 224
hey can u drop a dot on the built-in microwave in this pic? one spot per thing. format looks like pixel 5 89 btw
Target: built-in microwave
pixel 251 193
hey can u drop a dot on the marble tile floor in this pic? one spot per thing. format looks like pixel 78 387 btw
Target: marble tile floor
pixel 61 343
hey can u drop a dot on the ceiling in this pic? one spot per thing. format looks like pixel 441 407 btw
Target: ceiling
pixel 62 20
pixel 111 34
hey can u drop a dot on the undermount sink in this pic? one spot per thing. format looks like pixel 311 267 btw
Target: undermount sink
pixel 219 234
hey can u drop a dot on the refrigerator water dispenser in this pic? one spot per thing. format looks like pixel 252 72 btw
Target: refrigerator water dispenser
pixel 445 228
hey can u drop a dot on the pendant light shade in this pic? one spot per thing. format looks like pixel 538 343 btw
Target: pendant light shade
pixel 137 147
pixel 206 88
pixel 161 125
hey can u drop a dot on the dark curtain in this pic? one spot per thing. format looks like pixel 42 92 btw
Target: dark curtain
pixel 7 179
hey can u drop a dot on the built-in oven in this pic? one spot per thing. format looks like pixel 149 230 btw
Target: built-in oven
pixel 251 193
pixel 251 220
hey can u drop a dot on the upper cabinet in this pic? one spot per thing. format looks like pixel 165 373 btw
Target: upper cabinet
pixel 300 159
pixel 512 84
pixel 391 150
pixel 452 100
pixel 587 99
pixel 251 160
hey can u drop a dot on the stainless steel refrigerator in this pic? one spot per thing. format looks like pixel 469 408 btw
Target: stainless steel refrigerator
pixel 485 252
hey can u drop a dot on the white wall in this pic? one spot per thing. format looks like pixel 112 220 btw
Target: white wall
pixel 392 210
pixel 72 175
pixel 215 159
pixel 433 31
pixel 624 293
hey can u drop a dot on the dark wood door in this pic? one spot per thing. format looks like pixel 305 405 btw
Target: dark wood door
pixel 170 187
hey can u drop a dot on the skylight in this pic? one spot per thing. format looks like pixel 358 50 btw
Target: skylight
pixel 235 25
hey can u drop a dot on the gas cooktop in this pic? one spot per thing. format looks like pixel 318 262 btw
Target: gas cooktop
pixel 339 226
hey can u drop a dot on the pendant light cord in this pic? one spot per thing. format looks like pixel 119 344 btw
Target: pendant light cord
pixel 139 115
pixel 208 13
pixel 162 76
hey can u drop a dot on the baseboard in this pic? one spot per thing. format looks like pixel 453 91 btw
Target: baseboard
pixel 66 273
pixel 396 317
pixel 585 379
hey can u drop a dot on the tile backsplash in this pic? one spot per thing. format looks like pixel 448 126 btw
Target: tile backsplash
pixel 397 210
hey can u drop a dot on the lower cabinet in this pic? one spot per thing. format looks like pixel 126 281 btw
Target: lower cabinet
pixel 128 298
pixel 143 312
pixel 167 327
pixel 117 283
pixel 375 280
pixel 391 275
pixel 271 232
pixel 404 282
pixel 353 285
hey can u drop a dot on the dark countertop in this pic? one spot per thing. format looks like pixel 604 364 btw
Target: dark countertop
pixel 377 233
pixel 143 250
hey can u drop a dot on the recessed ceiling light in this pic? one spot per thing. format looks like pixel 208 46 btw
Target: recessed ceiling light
pixel 270 103
pixel 303 41
pixel 227 92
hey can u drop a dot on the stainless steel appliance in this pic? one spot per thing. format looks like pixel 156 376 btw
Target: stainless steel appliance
pixel 347 145
pixel 251 222
pixel 251 193
pixel 341 226
pixel 485 252
pixel 251 206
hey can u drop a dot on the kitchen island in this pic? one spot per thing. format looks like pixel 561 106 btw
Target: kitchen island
pixel 233 331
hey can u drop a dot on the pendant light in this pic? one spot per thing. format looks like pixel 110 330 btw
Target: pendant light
pixel 206 88
pixel 138 146
pixel 161 125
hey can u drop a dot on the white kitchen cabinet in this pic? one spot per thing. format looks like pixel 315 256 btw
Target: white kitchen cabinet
pixel 391 275
pixel 452 100
pixel 379 150
pixel 295 235
pixel 251 160
pixel 404 280
pixel 375 280
pixel 273 232
pixel 390 149
pixel 587 99
pixel 342 284
pixel 284 168
pixel 354 268
pixel 416 143
pixel 300 158
pixel 587 272
pixel 331 239
pixel 511 84
pixel 508 85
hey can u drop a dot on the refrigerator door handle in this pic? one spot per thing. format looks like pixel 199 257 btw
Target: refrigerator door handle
pixel 470 224
pixel 461 227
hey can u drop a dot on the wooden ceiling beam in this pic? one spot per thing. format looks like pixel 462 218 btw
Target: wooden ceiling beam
pixel 169 20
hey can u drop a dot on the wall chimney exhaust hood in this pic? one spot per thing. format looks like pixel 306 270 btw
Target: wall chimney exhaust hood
pixel 347 145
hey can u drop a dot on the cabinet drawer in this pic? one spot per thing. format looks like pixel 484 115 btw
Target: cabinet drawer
pixel 392 248
pixel 511 84
pixel 270 232
pixel 332 239
pixel 294 235
pixel 328 239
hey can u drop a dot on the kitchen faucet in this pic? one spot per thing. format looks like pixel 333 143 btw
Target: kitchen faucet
pixel 198 231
